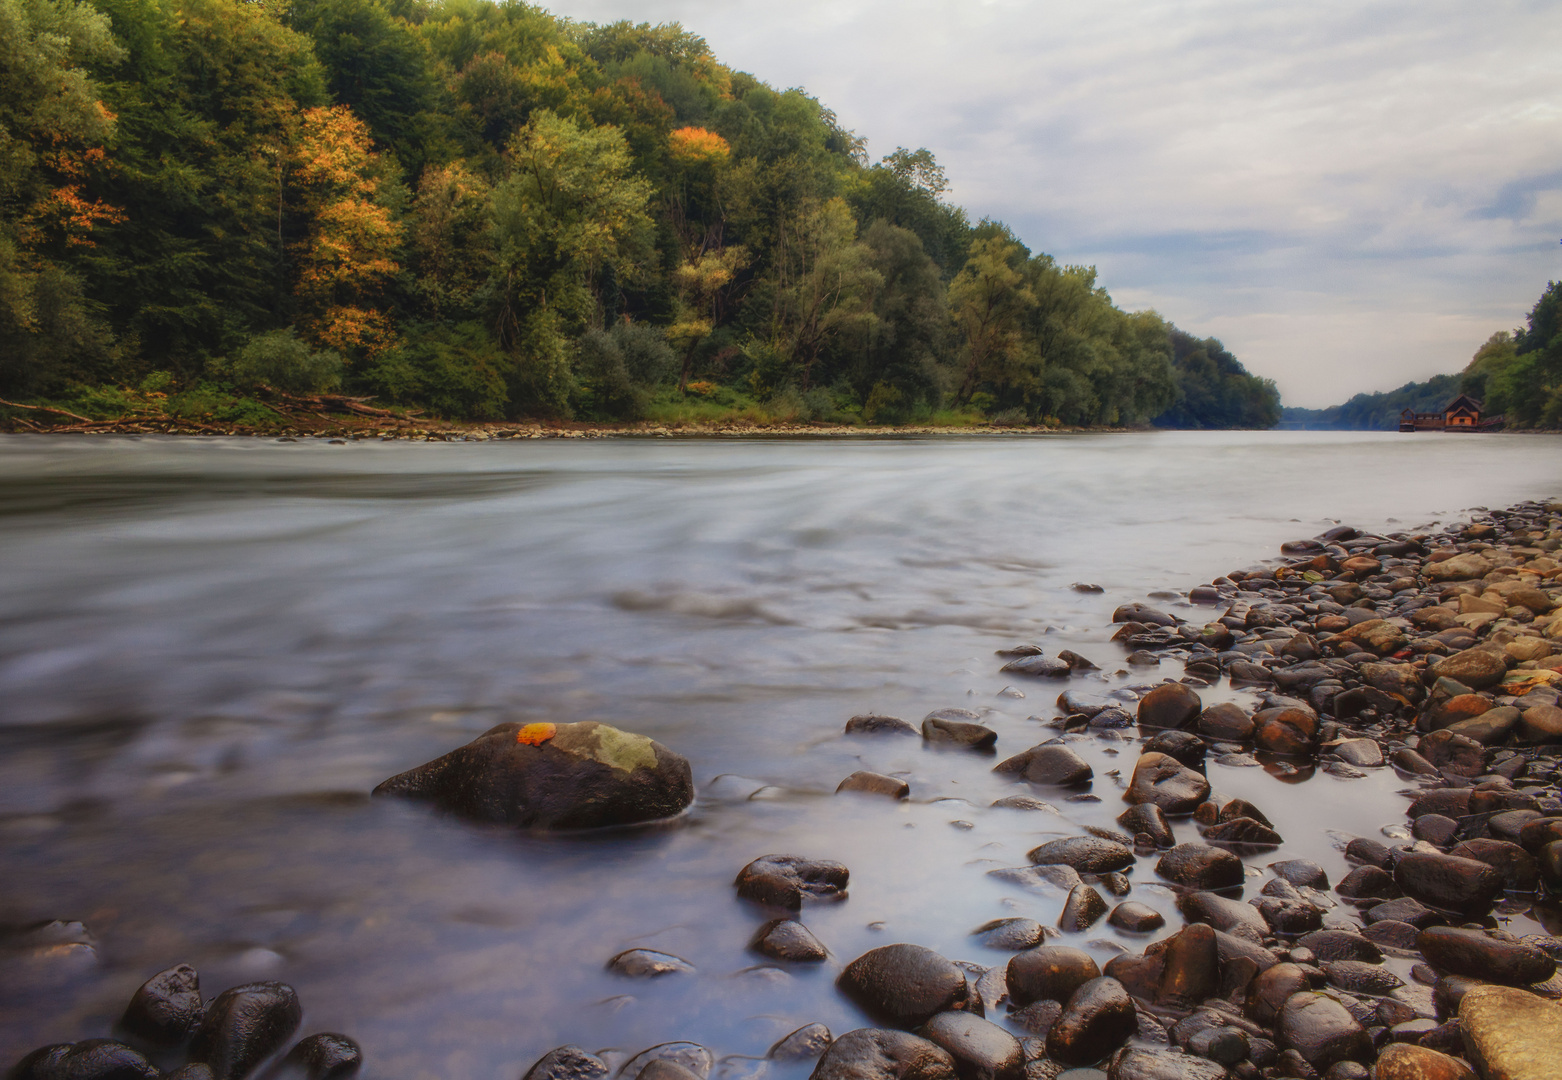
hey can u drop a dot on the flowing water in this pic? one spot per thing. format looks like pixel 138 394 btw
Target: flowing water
pixel 211 650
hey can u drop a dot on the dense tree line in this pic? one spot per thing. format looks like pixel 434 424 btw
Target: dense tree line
pixel 1514 374
pixel 481 209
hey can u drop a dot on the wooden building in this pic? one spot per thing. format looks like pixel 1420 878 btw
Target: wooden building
pixel 1462 414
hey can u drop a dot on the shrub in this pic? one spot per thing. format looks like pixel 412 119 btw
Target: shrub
pixel 278 359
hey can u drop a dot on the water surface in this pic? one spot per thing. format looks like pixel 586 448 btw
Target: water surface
pixel 210 650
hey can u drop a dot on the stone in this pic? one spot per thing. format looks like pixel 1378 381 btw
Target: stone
pixel 1516 866
pixel 1200 866
pixel 90 1059
pixel 939 731
pixel 1038 667
pixel 1340 945
pixel 1049 973
pixel 1167 783
pixel 568 1063
pixel 1363 753
pixel 878 1054
pixel 648 964
pixel 1190 967
pixel 690 1055
pixel 1435 829
pixel 1448 882
pixel 872 783
pixel 1169 705
pixel 1321 1029
pixel 1185 746
pixel 904 985
pixel 553 776
pixel 1461 567
pixel 1476 668
pixel 167 1009
pixel 1043 880
pixel 872 724
pixel 1141 613
pixel 785 880
pixel 244 1026
pixel 1377 635
pixel 1231 916
pixel 788 939
pixel 1082 910
pixel 1454 753
pixel 1290 732
pixel 804 1044
pixel 1226 722
pixel 1136 1063
pixel 1477 955
pixel 1012 934
pixel 1406 1061
pixel 1491 728
pixel 1510 1034
pixel 1303 873
pixel 1135 918
pixel 1271 989
pixel 1357 977
pixel 981 1050
pixel 1541 724
pixel 325 1056
pixel 1050 764
pixel 1149 820
pixel 1452 710
pixel 1243 834
pixel 1087 854
pixel 1097 1019
pixel 666 1069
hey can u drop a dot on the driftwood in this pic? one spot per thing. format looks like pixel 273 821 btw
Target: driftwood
pixel 336 403
pixel 45 408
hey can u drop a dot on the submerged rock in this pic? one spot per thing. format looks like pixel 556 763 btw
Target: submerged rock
pixel 1051 764
pixel 784 880
pixel 553 776
pixel 568 1063
pixel 1087 854
pixel 167 1009
pixel 90 1059
pixel 326 1056
pixel 878 1054
pixel 872 783
pixel 1200 866
pixel 804 1044
pixel 1167 783
pixel 788 939
pixel 648 964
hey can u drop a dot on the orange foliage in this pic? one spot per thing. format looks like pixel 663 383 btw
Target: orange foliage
pixel 696 146
pixel 346 260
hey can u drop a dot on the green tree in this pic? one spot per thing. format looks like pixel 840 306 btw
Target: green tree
pixel 990 301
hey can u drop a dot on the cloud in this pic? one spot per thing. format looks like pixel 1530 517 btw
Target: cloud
pixel 1378 182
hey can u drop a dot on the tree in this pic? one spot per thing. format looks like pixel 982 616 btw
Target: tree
pixel 348 258
pixel 989 301
pixel 449 238
pixel 825 285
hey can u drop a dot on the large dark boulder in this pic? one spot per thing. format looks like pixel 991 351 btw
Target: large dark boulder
pixel 1481 956
pixel 784 880
pixel 877 1054
pixel 1448 882
pixel 904 985
pixel 1170 705
pixel 553 776
pixel 1098 1018
pixel 91 1059
pixel 1049 973
pixel 1167 783
pixel 244 1026
pixel 1322 1030
pixel 982 1050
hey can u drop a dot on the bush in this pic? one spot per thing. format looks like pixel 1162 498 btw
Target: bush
pixel 279 360
pixel 455 370
pixel 620 367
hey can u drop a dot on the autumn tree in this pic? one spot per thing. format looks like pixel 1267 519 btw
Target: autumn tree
pixel 348 258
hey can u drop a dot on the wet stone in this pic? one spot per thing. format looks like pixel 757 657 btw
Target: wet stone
pixel 1149 820
pixel 804 1044
pixel 1050 973
pixel 1404 1061
pixel 1044 880
pixel 1190 967
pixel 1392 934
pixel 1170 705
pixel 784 880
pixel 1097 1019
pixel 1050 764
pixel 1012 934
pixel 878 725
pixel 1271 989
pixel 1200 866
pixel 1136 918
pixel 553 776
pixel 872 783
pixel 1480 956
pixel 244 1026
pixel 1448 882
pixel 1087 854
pixel 1435 829
pixel 325 1056
pixel 1226 722
pixel 958 733
pixel 788 939
pixel 1328 945
pixel 1301 872
pixel 1321 1029
pixel 1405 910
pixel 688 1055
pixel 1243 834
pixel 1510 1034
pixel 665 1069
pixel 648 964
pixel 568 1063
pixel 1165 782
pixel 879 1054
pixel 981 1050
pixel 1082 910
pixel 903 985
pixel 1135 1063
pixel 167 1009
pixel 1184 746
pixel 91 1059
pixel 1357 977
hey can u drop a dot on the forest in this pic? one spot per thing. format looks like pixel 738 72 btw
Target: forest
pixel 1515 374
pixel 481 211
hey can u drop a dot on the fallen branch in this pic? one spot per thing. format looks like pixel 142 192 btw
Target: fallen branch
pixel 45 408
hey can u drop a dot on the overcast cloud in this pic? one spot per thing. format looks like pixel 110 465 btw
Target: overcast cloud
pixel 1349 195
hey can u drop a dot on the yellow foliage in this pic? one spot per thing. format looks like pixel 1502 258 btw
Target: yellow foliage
pixel 696 146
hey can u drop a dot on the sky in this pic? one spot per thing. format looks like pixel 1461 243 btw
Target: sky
pixel 1350 195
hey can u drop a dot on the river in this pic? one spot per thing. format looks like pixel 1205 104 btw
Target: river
pixel 211 650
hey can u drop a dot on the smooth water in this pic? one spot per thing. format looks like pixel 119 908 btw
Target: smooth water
pixel 210 651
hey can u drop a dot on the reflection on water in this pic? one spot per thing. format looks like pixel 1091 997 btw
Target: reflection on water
pixel 209 652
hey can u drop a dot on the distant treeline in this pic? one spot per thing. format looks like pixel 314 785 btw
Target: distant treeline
pixel 1516 374
pixel 485 211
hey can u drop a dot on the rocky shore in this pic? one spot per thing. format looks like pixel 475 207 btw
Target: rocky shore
pixel 1437 656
